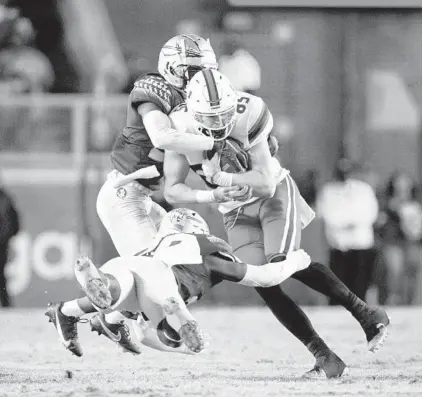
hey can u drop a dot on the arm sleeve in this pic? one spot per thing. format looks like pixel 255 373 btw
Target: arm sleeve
pixel 222 267
pixel 164 136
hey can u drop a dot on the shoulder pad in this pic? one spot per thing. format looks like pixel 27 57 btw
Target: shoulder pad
pixel 152 88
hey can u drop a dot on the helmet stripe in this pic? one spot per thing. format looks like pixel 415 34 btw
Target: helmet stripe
pixel 211 87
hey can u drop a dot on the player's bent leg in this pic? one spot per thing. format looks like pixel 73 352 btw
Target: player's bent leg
pixel 281 221
pixel 159 296
pixel 129 215
pixel 131 219
pixel 172 304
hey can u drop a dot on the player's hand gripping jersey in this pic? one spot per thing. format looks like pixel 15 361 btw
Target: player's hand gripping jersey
pixel 133 148
pixel 253 125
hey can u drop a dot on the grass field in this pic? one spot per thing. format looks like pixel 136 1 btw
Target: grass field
pixel 250 354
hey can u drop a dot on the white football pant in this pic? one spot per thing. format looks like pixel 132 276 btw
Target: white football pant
pixel 129 215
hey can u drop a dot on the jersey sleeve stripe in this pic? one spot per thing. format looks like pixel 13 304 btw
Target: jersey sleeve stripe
pixel 259 125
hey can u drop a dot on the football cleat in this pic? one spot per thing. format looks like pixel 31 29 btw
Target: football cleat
pixel 118 333
pixel 375 322
pixel 66 327
pixel 192 336
pixel 93 283
pixel 328 366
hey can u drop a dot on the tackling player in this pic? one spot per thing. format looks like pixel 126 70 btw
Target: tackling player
pixel 266 226
pixel 184 262
pixel 127 212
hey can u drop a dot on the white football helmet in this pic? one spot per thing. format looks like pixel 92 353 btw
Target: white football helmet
pixel 183 220
pixel 212 102
pixel 183 56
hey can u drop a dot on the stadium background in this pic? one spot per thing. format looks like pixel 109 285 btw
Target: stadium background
pixel 338 81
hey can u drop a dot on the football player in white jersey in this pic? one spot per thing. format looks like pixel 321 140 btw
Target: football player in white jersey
pixel 266 224
pixel 184 262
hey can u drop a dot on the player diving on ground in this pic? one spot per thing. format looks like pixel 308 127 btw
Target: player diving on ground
pixel 184 262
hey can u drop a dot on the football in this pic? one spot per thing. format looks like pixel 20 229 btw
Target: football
pixel 234 158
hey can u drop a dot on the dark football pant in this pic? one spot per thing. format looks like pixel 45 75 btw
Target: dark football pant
pixel 354 268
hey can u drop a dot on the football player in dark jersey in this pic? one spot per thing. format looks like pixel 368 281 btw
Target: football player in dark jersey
pixel 126 210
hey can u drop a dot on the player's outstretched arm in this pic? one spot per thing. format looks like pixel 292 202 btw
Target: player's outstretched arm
pixel 266 275
pixel 163 136
pixel 176 191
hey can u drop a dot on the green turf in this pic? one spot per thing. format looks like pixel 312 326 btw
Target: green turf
pixel 249 354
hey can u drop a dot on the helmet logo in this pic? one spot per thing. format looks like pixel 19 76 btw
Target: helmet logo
pixel 191 48
pixel 121 193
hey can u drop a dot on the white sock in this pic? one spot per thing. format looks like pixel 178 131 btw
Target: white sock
pixel 114 317
pixel 71 308
pixel 183 314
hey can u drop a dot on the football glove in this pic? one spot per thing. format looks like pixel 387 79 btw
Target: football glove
pixel 233 158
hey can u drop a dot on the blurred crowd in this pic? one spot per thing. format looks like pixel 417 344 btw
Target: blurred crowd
pixel 374 231
pixel 23 68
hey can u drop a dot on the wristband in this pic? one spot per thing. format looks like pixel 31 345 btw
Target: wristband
pixel 205 196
